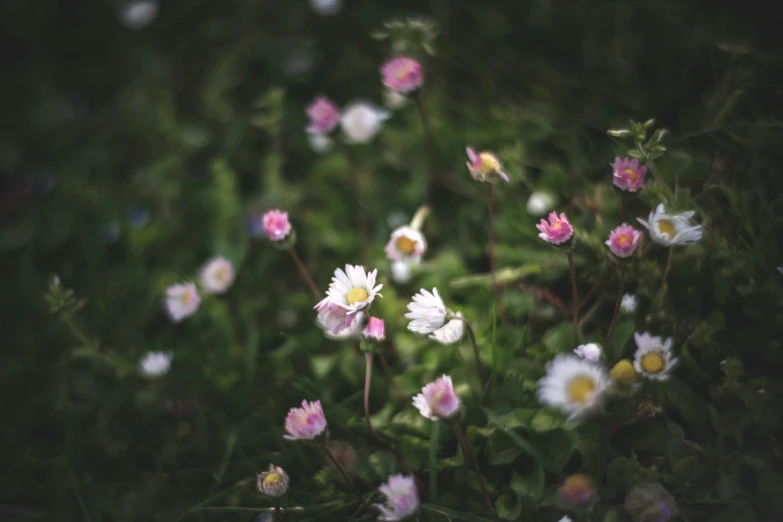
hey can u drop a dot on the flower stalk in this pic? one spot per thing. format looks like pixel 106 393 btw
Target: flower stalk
pixel 615 316
pixel 470 456
pixel 474 344
pixel 425 120
pixel 345 476
pixel 574 297
pixel 491 227
pixel 305 274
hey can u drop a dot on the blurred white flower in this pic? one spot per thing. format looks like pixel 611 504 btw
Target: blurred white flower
pixel 426 312
pixel 394 100
pixel 319 142
pixel 182 301
pixel 575 386
pixel 137 14
pixel 401 272
pixel 326 7
pixel 362 121
pixel 155 364
pixel 780 269
pixel 628 304
pixel 590 351
pixel 346 333
pixel 450 332
pixel 565 519
pixel 217 275
pixel 540 203
pixel 406 244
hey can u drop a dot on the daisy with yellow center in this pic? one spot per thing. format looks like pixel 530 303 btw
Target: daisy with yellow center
pixel 574 385
pixel 406 244
pixel 217 275
pixel 653 358
pixel 182 300
pixel 274 482
pixel 671 229
pixel 351 291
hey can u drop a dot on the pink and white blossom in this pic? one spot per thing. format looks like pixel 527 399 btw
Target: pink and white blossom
pixel 485 166
pixel 627 174
pixel 217 275
pixel 402 499
pixel 182 301
pixel 623 240
pixel 437 400
pixel 406 244
pixel 402 74
pixel 324 115
pixel 305 423
pixel 276 225
pixel 557 230
pixel 375 329
pixel 350 292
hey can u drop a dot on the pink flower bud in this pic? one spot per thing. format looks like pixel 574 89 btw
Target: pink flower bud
pixel 402 74
pixel 623 240
pixel 375 329
pixel 276 225
pixel 557 230
pixel 305 423
pixel 324 116
pixel 627 174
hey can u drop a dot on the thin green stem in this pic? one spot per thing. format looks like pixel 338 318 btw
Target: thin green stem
pixel 574 297
pixel 473 342
pixel 615 316
pixel 433 455
pixel 471 457
pixel 79 334
pixel 345 476
pixel 425 120
pixel 658 178
pixel 664 286
pixel 491 231
pixel 305 274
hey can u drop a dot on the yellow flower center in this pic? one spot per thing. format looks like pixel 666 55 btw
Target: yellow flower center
pixel 406 244
pixel 623 240
pixel 666 228
pixel 356 295
pixel 221 274
pixel 652 363
pixel 631 174
pixel 623 373
pixel 580 389
pixel 489 163
pixel 187 297
pixel 578 481
pixel 272 479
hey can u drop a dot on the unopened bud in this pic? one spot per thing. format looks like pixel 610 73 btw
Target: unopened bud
pixel 273 483
pixel 623 374
pixel 577 491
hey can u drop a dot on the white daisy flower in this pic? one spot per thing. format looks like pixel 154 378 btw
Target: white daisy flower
pixel 450 332
pixel 401 272
pixel 350 292
pixel 217 275
pixel 427 312
pixel 589 351
pixel 565 519
pixel 362 121
pixel 628 304
pixel 671 229
pixel 540 203
pixel 573 385
pixel 182 301
pixel 406 244
pixel 653 357
pixel 319 142
pixel 394 100
pixel 155 364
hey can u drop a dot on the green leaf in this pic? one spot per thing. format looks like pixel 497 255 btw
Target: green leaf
pixel 546 420
pixel 689 405
pixel 500 450
pixel 526 446
pixel 508 506
pixel 517 418
pixel 618 472
pixel 727 486
pixel 532 484
pixel 451 514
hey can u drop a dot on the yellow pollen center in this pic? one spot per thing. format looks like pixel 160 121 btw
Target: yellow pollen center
pixel 272 479
pixel 356 295
pixel 623 240
pixel 631 174
pixel 623 373
pixel 652 363
pixel 580 389
pixel 221 274
pixel 402 74
pixel 556 225
pixel 666 228
pixel 186 297
pixel 406 244
pixel 489 163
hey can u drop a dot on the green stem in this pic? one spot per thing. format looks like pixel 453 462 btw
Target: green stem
pixel 473 342
pixel 425 120
pixel 662 290
pixel 615 317
pixel 658 178
pixel 79 334
pixel 471 457
pixel 345 476
pixel 491 227
pixel 434 436
pixel 574 297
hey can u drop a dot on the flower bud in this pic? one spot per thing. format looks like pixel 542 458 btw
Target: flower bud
pixel 623 374
pixel 577 491
pixel 274 482
pixel 373 335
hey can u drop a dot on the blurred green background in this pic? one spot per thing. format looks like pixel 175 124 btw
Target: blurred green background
pixel 129 156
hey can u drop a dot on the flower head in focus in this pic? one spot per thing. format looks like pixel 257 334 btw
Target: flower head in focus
pixel 406 244
pixel 350 292
pixel 182 301
pixel 653 357
pixel 305 423
pixel 402 74
pixel 402 499
pixel 671 229
pixel 155 364
pixel 362 121
pixel 575 386
pixel 627 174
pixel 276 225
pixel 628 304
pixel 557 230
pixel 217 275
pixel 450 332
pixel 273 483
pixel 437 400
pixel 590 351
pixel 623 240
pixel 427 312
pixel 324 116
pixel 540 203
pixel 485 167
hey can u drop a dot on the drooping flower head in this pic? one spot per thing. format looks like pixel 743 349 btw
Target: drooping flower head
pixel 362 121
pixel 577 491
pixel 350 332
pixel 653 358
pixel 627 174
pixel 305 423
pixel 485 167
pixel 671 229
pixel 274 482
pixel 402 499
pixel 427 312
pixel 628 304
pixel 350 292
pixel 324 116
pixel 182 301
pixel 406 244
pixel 375 329
pixel 450 332
pixel 575 386
pixel 402 74
pixel 276 225
pixel 217 275
pixel 623 240
pixel 557 230
pixel 437 400
pixel 589 351
pixel 155 364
